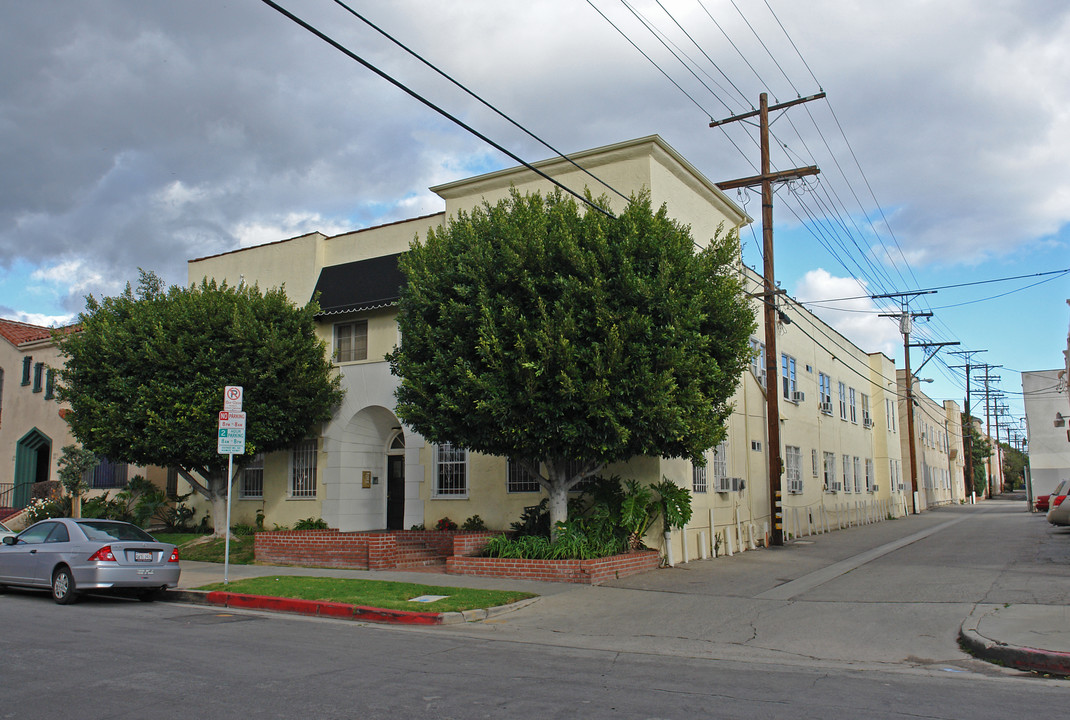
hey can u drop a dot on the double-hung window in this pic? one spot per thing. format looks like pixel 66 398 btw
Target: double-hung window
pixel 830 471
pixel 351 341
pixel 787 373
pixel 866 419
pixel 858 475
pixel 854 406
pixel 869 475
pixel 720 463
pixel 793 468
pixel 889 409
pixel 847 487
pixel 451 471
pixel 303 469
pixel 757 360
pixel 824 383
pixel 843 401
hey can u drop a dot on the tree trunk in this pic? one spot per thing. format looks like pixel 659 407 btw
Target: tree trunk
pixel 558 504
pixel 217 489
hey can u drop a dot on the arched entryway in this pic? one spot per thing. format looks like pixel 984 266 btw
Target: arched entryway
pixel 33 456
pixel 395 482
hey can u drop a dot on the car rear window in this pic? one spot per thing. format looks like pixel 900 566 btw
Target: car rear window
pixel 105 530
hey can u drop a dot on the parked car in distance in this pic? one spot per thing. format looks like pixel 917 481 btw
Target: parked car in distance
pixel 1041 503
pixel 4 531
pixel 1059 512
pixel 71 556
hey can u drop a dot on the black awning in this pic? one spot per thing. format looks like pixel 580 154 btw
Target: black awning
pixel 359 285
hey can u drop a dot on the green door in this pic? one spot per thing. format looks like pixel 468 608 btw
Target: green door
pixel 33 454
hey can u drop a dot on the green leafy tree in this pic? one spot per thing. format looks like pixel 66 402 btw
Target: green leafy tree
pixel 980 449
pixel 74 463
pixel 1014 461
pixel 567 340
pixel 145 376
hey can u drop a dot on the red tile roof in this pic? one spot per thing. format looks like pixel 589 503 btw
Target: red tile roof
pixel 19 333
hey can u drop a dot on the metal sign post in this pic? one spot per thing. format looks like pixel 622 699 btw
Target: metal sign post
pixel 230 441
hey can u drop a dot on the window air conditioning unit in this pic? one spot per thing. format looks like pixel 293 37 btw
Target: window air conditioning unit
pixel 901 486
pixel 737 483
pixel 795 487
pixel 867 422
pixel 876 487
pixel 798 396
pixel 722 484
pixel 826 407
pixel 837 486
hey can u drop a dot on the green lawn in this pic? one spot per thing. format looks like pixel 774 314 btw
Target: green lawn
pixel 372 593
pixel 241 548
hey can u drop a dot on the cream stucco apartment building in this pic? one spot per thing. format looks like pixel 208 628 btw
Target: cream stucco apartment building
pixel 364 470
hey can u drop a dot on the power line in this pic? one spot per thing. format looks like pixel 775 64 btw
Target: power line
pixel 501 114
pixel 413 94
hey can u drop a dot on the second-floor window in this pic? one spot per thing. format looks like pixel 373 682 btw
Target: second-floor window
pixel 351 341
pixel 825 391
pixel 787 373
pixel 843 401
pixel 854 406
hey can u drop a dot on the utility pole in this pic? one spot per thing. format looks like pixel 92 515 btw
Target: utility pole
pixel 906 322
pixel 988 421
pixel 766 180
pixel 967 429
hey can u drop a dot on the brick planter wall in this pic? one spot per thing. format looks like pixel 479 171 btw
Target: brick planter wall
pixel 360 550
pixel 591 572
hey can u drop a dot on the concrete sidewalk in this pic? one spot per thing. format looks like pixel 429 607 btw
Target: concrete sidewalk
pixel 1035 638
pixel 776 604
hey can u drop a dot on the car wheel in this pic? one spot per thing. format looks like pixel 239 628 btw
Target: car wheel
pixel 63 590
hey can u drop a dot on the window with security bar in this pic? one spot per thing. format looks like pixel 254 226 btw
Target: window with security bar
pixel 451 471
pixel 847 486
pixel 252 478
pixel 303 469
pixel 858 475
pixel 720 460
pixel 830 471
pixel 869 475
pixel 520 479
pixel 698 479
pixel 106 475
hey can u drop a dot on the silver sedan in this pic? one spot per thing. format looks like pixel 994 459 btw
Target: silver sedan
pixel 71 556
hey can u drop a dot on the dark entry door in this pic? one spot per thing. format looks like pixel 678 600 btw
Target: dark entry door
pixel 395 492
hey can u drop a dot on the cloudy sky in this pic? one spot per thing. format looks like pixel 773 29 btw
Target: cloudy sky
pixel 143 133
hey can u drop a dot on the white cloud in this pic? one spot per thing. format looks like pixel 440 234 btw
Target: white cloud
pixel 844 303
pixel 44 320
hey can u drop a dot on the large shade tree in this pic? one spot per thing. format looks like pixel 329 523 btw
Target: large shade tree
pixel 567 339
pixel 145 376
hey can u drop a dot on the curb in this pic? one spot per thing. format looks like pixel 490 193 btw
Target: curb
pixel 341 611
pixel 1051 662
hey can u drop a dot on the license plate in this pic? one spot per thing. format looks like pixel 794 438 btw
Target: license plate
pixel 145 572
pixel 142 556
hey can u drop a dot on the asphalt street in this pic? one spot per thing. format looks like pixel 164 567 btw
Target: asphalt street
pixel 857 623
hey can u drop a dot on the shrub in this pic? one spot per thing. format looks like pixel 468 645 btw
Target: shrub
pixel 311 524
pixel 474 524
pixel 242 530
pixel 445 524
pixel 41 509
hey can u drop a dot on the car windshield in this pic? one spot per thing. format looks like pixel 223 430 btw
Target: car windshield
pixel 107 530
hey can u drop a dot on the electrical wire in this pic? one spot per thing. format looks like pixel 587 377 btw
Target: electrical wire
pixel 413 94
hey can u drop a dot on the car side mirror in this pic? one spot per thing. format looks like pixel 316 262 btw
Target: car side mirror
pixel 10 539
